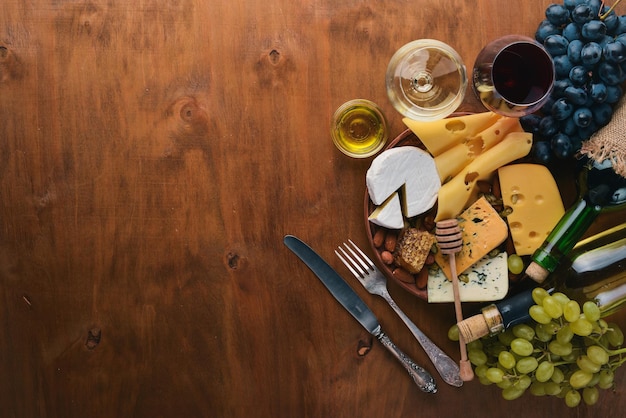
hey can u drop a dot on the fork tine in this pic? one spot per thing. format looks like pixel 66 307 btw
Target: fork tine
pixel 363 255
pixel 356 260
pixel 348 264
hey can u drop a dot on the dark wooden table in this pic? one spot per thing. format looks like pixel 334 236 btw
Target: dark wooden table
pixel 153 156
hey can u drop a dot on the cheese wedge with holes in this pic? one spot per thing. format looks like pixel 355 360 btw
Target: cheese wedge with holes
pixel 482 230
pixel 485 281
pixel 534 198
pixel 450 162
pixel 409 170
pixel 440 135
pixel 389 213
pixel 454 195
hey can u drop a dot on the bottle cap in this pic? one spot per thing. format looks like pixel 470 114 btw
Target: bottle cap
pixel 536 272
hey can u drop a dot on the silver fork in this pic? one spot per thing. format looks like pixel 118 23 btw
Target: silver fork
pixel 362 267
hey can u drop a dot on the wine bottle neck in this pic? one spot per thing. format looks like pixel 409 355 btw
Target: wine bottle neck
pixel 568 231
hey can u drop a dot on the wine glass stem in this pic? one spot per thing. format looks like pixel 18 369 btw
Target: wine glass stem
pixel 423 82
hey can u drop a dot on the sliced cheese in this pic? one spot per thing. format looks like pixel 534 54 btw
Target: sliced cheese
pixel 487 280
pixel 408 169
pixel 438 136
pixel 482 230
pixel 389 213
pixel 533 195
pixel 454 195
pixel 450 162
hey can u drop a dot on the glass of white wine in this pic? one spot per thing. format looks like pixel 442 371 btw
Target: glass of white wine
pixel 426 80
pixel 513 75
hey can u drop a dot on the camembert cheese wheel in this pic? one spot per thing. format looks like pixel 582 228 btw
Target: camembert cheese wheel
pixel 389 213
pixel 408 170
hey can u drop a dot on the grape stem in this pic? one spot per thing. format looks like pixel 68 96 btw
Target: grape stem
pixel 618 352
pixel 603 16
pixel 614 364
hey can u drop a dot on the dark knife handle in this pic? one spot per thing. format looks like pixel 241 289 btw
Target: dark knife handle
pixel 422 378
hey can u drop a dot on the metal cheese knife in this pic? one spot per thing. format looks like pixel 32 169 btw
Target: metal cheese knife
pixel 359 310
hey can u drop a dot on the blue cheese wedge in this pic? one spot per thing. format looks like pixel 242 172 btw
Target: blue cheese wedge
pixel 487 280
pixel 389 214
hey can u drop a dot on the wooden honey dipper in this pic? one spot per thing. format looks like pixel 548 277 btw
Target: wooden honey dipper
pixel 450 241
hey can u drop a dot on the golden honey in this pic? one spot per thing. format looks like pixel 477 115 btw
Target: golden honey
pixel 359 128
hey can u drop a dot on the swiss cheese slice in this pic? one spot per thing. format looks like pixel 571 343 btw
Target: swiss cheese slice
pixel 482 230
pixel 453 160
pixel 389 213
pixel 454 195
pixel 487 280
pixel 533 195
pixel 440 135
pixel 409 170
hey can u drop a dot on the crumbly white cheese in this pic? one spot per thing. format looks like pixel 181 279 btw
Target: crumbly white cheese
pixel 488 280
pixel 388 214
pixel 411 171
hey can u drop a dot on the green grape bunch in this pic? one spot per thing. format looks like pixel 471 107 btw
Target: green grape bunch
pixel 587 42
pixel 566 350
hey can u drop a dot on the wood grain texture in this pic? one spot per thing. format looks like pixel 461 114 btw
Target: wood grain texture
pixel 154 154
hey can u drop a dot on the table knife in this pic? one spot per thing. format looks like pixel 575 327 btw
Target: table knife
pixel 351 301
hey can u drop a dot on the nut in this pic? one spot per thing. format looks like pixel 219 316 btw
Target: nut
pixel 379 238
pixel 387 257
pixel 421 279
pixel 403 275
pixel 390 242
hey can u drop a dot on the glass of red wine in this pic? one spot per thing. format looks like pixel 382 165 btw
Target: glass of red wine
pixel 513 75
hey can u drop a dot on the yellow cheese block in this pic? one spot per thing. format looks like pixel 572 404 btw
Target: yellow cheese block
pixel 450 162
pixel 440 135
pixel 482 229
pixel 533 195
pixel 454 195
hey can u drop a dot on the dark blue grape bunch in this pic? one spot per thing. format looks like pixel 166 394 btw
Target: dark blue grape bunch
pixel 587 42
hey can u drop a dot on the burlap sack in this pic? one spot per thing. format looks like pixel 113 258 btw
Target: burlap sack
pixel 610 141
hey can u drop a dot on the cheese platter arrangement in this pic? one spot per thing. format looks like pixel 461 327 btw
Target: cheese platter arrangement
pixel 518 190
pixel 470 167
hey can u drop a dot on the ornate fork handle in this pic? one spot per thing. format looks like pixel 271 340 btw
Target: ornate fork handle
pixel 421 377
pixel 447 368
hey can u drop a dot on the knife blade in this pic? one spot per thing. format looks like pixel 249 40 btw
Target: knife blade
pixel 353 303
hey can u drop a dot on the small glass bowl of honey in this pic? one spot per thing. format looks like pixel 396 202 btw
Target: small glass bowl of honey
pixel 359 128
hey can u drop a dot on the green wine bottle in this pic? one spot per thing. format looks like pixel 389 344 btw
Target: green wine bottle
pixel 601 189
